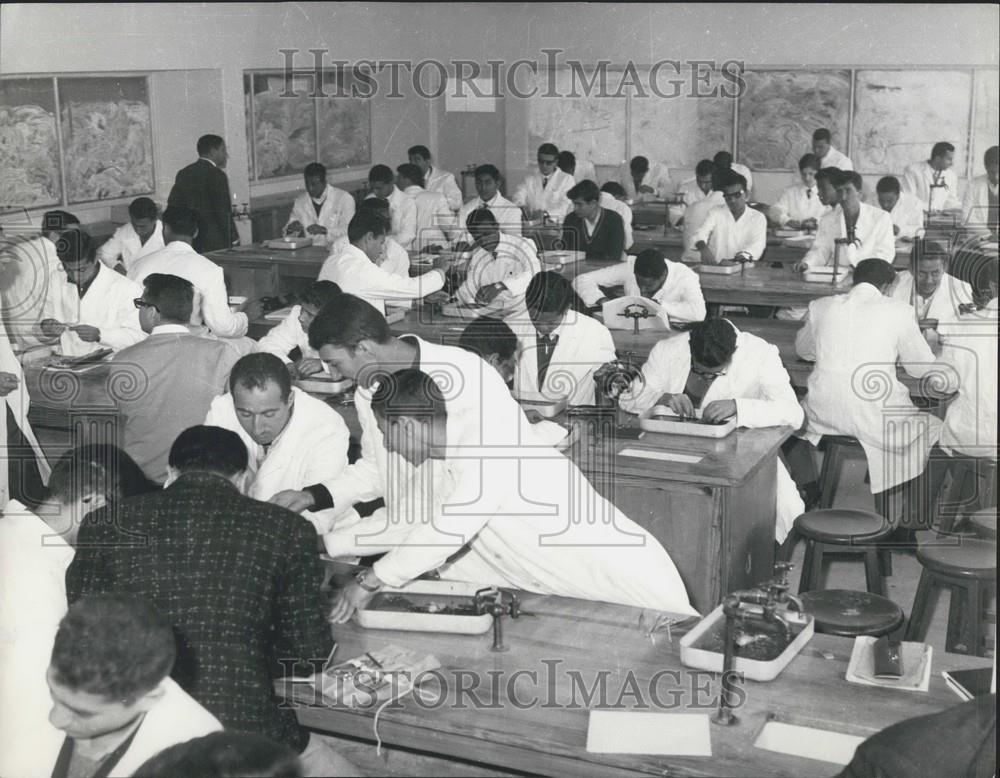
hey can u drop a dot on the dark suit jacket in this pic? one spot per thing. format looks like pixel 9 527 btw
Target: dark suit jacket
pixel 204 188
pixel 607 241
pixel 239 580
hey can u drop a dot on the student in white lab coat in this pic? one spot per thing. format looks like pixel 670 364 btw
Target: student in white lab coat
pixel 856 339
pixel 88 306
pixel 826 154
pixel 905 210
pixel 613 198
pixel 393 259
pixel 644 181
pixel 698 187
pixel 141 236
pixel 322 211
pixel 501 266
pixel 732 231
pixel 435 179
pixel 717 371
pixel 356 270
pixel 580 169
pixel 433 214
pixel 545 191
pixel 799 207
pixel 980 207
pixel 938 296
pixel 291 334
pixel 933 181
pixel 560 347
pixel 295 441
pixel 402 209
pixel 723 161
pixel 672 285
pixel 695 215
pixel 27 261
pixel 511 534
pixel 507 214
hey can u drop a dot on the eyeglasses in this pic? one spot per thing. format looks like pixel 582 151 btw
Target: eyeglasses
pixel 139 303
pixel 710 374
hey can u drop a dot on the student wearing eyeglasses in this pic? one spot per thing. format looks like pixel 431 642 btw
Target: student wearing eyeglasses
pixel 733 230
pixel 545 191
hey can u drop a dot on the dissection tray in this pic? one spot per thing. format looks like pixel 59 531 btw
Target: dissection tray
pixel 660 418
pixel 427 606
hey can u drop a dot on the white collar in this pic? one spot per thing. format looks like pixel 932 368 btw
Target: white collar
pixel 322 198
pixel 208 161
pixel 413 189
pixel 170 329
pixel 181 244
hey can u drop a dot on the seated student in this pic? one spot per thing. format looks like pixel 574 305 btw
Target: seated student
pixel 402 209
pixel 88 306
pixel 933 181
pixel 224 755
pixel 142 235
pixel 938 295
pixel 590 228
pixel 717 371
pixel 577 167
pixel 435 179
pixel 613 199
pixel 544 192
pixel 501 265
pixel 507 214
pixel 236 577
pixel 698 187
pixel 295 440
pixel 27 260
pixel 356 270
pixel 433 214
pixel 731 231
pixel 673 285
pixel 111 690
pixel 393 259
pixel 865 333
pixel 644 181
pixel 322 211
pixel 696 212
pixel 723 161
pixel 508 538
pixel 799 206
pixel 826 154
pixel 562 347
pixel 905 210
pixel 864 231
pixel 176 374
pixel 980 208
pixel 289 339
pixel 178 258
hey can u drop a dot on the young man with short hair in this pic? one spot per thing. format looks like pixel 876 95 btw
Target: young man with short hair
pixel 938 295
pixel 732 231
pixel 643 180
pixel 203 187
pixel 433 214
pixel 799 206
pixel 142 235
pixel 592 229
pixel 723 162
pixel 322 211
pixel 905 210
pixel 393 259
pixel 402 209
pixel 289 339
pixel 981 208
pixel 695 189
pixel 933 181
pixel 544 192
pixel 613 199
pixel 501 265
pixel 507 214
pixel 826 154
pixel 435 179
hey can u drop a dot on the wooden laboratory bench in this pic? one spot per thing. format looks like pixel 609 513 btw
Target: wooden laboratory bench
pixel 533 716
pixel 257 271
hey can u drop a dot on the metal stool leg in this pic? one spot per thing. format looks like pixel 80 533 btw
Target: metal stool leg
pixel 955 641
pixel 829 475
pixel 917 626
pixel 873 576
pixel 805 579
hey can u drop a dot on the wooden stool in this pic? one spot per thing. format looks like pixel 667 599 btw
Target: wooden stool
pixel 841 531
pixel 981 475
pixel 969 569
pixel 984 522
pixel 848 613
pixel 838 449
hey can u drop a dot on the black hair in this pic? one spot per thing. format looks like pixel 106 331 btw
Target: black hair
pixel 100 468
pixel 181 220
pixel 173 296
pixel 488 170
pixel 409 392
pixel 713 342
pixel 831 174
pixel 225 754
pixel 257 370
pixel 992 153
pixel 486 336
pixel 208 144
pixel 74 246
pixel 888 184
pixel 363 222
pixel 704 168
pixel 550 292
pixel 319 293
pixel 314 170
pixel 412 173
pixel 729 177
pixel 481 217
pixel 142 208
pixel 567 162
pixel 650 263
pixel 822 134
pixel 548 148
pixel 638 164
pixel 723 159
pixel 346 322
pixel 809 160
pixel 941 148
pixel 381 174
pixel 419 151
pixel 209 450
pixel 873 271
pixel 56 221
pixel 852 177
pixel 613 188
pixel 586 190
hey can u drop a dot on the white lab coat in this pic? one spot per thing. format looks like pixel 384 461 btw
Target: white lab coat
pixel 798 203
pixel 31 265
pixel 433 217
pixel 356 274
pixel 395 259
pixel 551 198
pixel 125 243
pixel 612 203
pixel 756 380
pixel 918 180
pixel 680 296
pixel 942 305
pixel 312 449
pixel 507 214
pixel 584 345
pixel 908 215
pixel 585 170
pixel 976 204
pixel 969 348
pixel 873 232
pixel 856 340
pixel 211 303
pixel 514 262
pixel 443 182
pixel 834 158
pixel 108 305
pixel 402 217
pixel 695 214
pixel 657 177
pixel 286 336
pixel 335 213
pixel 690 193
pixel 744 171
pixel 727 236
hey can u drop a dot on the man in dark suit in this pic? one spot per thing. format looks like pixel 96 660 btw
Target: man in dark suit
pixel 238 579
pixel 203 187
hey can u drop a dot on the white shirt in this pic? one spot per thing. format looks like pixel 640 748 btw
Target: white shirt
pixel 690 193
pixel 657 177
pixel 507 214
pixel 402 217
pixel 443 182
pixel 127 244
pixel 612 203
pixel 514 263
pixel 975 206
pixel 680 296
pixel 694 216
pixel 873 232
pixel 834 158
pixel 26 284
pixel 288 335
pixel 942 305
pixel 34 560
pixel 107 305
pixel 918 180
pixel 356 274
pixel 335 213
pixel 550 198
pixel 395 259
pixel 727 236
pixel 433 217
pixel 797 203
pixel 585 170
pixel 211 306
pixel 908 215
pixel 744 171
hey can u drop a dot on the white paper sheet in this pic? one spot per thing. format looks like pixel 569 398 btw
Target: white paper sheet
pixel 633 732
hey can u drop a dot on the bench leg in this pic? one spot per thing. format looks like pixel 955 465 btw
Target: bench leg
pixel 873 575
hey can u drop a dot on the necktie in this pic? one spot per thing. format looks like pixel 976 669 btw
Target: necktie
pixel 545 181
pixel 809 194
pixel 546 347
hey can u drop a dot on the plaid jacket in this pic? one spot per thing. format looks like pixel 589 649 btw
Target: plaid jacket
pixel 238 578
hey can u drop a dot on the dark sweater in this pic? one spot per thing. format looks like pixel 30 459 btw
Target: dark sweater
pixel 607 242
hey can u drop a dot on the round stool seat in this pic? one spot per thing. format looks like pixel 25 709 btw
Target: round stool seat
pixel 985 523
pixel 847 613
pixel 967 558
pixel 842 526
